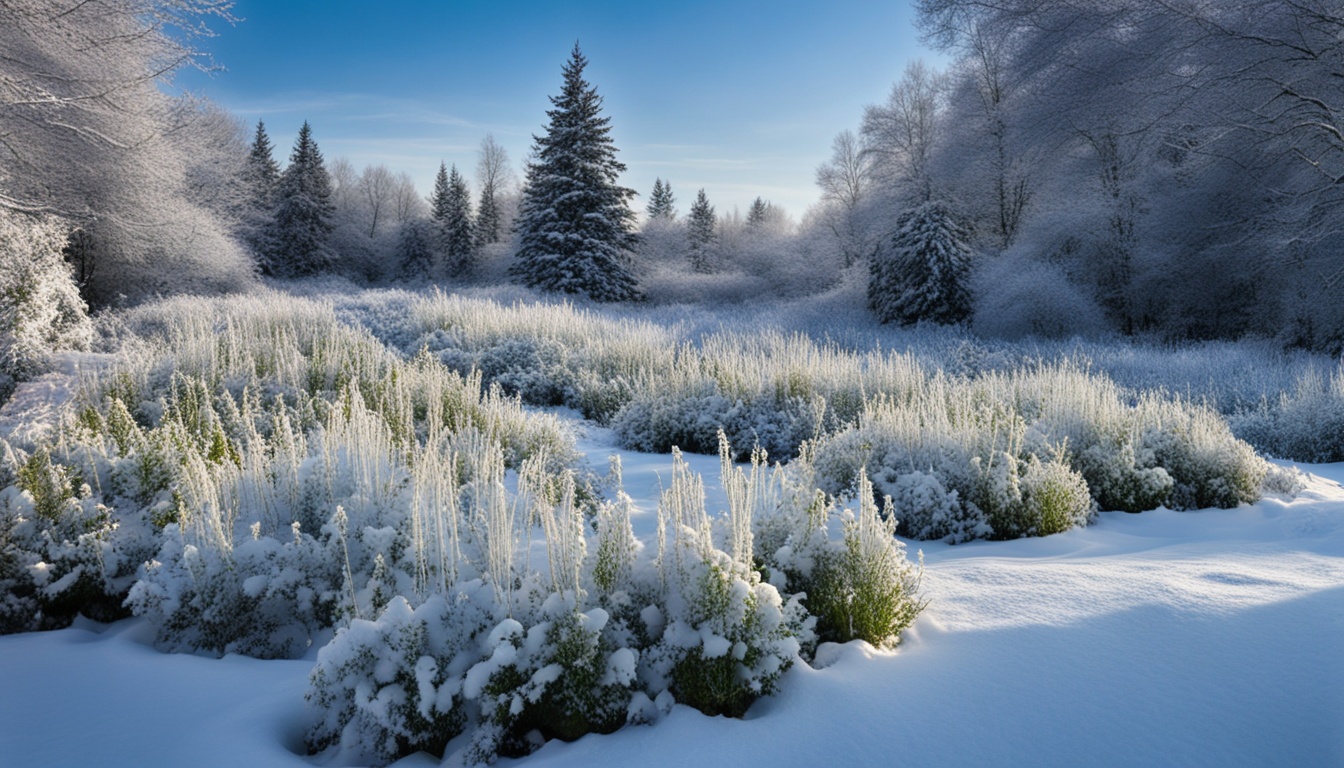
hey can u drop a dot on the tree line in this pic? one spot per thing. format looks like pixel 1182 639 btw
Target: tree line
pixel 1157 167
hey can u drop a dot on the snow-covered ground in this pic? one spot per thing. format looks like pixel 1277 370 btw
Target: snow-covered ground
pixel 1197 638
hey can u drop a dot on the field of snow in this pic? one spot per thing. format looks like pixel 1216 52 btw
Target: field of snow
pixel 1164 638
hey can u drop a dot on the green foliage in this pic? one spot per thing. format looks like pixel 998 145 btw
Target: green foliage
pixel 866 589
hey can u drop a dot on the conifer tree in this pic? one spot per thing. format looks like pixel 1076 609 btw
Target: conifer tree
pixel 922 273
pixel 700 231
pixel 438 208
pixel 661 202
pixel 459 249
pixel 758 213
pixel 487 219
pixel 303 222
pixel 261 177
pixel 575 226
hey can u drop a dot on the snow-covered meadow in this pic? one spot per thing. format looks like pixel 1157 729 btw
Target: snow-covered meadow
pixel 1206 636
pixel 1173 638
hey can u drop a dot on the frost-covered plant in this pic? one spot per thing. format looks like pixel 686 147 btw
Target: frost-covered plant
pixel 387 688
pixel 56 558
pixel 40 307
pixel 560 678
pixel 727 636
pixel 865 588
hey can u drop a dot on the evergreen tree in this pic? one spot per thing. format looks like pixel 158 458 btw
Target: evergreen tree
pixel 575 226
pixel 415 248
pixel 487 219
pixel 261 177
pixel 459 249
pixel 438 208
pixel 303 213
pixel 661 201
pixel 758 213
pixel 700 231
pixel 922 273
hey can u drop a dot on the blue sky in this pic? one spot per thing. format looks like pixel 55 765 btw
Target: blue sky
pixel 740 98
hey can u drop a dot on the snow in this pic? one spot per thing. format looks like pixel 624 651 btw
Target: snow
pixel 1163 638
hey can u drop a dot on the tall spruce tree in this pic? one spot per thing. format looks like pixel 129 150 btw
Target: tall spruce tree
pixel 438 208
pixel 757 214
pixel 661 202
pixel 487 219
pixel 459 251
pixel 303 222
pixel 700 232
pixel 575 226
pixel 921 274
pixel 261 178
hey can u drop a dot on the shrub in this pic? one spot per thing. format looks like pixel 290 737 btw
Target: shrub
pixel 40 307
pixel 388 688
pixel 865 589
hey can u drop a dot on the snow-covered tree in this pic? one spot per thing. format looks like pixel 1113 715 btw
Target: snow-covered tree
pixel 493 175
pixel 459 242
pixel 758 212
pixel 661 202
pixel 415 249
pixel 438 205
pixel 575 226
pixel 303 214
pixel 40 307
pixel 261 176
pixel 922 273
pixel 87 135
pixel 700 232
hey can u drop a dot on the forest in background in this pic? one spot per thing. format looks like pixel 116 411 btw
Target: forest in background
pixel 1160 168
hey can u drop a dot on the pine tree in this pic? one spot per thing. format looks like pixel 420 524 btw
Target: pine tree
pixel 487 219
pixel 758 213
pixel 661 202
pixel 438 208
pixel 459 243
pixel 700 231
pixel 261 177
pixel 303 214
pixel 575 226
pixel 921 274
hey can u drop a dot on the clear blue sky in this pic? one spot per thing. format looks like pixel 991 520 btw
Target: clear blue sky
pixel 741 98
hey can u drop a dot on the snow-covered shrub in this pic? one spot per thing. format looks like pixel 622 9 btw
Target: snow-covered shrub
pixel 865 589
pixel 55 553
pixel 727 637
pixel 40 307
pixel 1208 465
pixel 559 678
pixel 389 687
pixel 1305 423
pixel 926 509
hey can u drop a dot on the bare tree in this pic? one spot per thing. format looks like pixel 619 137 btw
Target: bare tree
pixel 406 201
pixel 85 133
pixel 494 175
pixel 375 191
pixel 845 180
pixel 899 136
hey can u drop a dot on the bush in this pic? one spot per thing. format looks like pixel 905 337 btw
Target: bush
pixel 388 688
pixel 40 308
pixel 865 589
